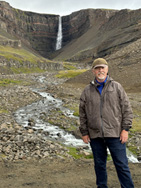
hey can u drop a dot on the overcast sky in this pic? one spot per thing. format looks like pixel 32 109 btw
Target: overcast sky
pixel 65 7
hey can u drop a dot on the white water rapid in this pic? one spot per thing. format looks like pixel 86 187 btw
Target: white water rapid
pixel 36 109
pixel 59 35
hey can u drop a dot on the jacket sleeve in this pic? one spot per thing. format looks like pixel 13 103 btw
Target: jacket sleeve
pixel 127 114
pixel 82 115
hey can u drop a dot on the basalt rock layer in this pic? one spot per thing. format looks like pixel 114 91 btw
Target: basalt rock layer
pixel 39 31
pixel 90 33
pixel 86 34
pixel 78 23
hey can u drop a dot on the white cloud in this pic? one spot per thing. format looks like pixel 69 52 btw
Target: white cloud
pixel 64 7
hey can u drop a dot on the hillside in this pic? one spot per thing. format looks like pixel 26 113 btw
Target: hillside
pixel 37 31
pixel 114 35
pixel 107 32
pixel 17 58
pixel 18 53
pixel 28 40
pixel 124 67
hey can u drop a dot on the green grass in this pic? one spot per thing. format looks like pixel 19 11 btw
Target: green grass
pixel 133 149
pixel 69 66
pixel 136 121
pixel 20 54
pixel 76 110
pixel 5 82
pixel 70 73
pixel 74 107
pixel 3 111
pixel 22 57
pixel 77 155
pixel 26 70
pixel 136 125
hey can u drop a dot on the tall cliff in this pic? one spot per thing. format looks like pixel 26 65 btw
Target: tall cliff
pixel 93 33
pixel 78 23
pixel 36 30
pixel 87 33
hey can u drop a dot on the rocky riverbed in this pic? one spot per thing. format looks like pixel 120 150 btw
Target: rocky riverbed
pixel 28 158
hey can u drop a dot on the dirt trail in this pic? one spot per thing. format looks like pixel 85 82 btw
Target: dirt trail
pixel 58 174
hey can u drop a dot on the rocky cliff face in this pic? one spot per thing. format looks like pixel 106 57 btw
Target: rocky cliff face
pixel 103 32
pixel 87 34
pixel 79 22
pixel 36 30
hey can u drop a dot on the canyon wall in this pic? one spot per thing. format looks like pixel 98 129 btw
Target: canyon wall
pixel 77 23
pixel 36 30
pixel 105 32
pixel 87 33
pixel 39 31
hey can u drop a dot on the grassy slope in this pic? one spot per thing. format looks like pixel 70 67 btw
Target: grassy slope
pixel 20 55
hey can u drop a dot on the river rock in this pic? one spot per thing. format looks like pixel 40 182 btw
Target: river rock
pixel 139 158
pixel 25 144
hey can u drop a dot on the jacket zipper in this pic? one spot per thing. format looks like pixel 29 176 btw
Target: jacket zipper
pixel 101 116
pixel 101 112
pixel 101 107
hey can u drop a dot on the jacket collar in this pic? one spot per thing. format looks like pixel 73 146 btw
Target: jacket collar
pixel 95 83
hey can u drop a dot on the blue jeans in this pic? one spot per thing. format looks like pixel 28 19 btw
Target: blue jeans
pixel 118 152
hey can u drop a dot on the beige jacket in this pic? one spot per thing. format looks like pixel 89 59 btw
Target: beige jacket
pixel 107 114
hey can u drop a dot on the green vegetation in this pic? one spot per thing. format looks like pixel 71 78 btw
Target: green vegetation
pixel 70 73
pixel 2 156
pixel 3 111
pixel 71 128
pixel 28 61
pixel 109 157
pixel 136 127
pixel 26 70
pixel 69 66
pixel 5 82
pixel 76 112
pixel 20 55
pixel 75 108
pixel 77 155
pixel 133 149
pixel 136 121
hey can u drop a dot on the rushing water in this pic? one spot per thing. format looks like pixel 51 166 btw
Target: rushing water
pixel 36 109
pixel 59 35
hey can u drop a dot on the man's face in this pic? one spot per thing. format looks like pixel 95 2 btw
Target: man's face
pixel 100 73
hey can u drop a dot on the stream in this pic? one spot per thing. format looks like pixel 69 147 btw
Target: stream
pixel 35 110
pixel 47 103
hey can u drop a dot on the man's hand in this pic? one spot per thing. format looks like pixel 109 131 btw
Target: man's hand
pixel 86 139
pixel 123 136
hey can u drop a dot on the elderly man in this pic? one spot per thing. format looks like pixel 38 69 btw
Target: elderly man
pixel 105 118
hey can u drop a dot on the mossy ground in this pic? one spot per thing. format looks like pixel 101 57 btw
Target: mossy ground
pixel 20 55
pixel 78 155
pixel 136 120
pixel 3 111
pixel 26 70
pixel 70 73
pixel 5 82
pixel 69 66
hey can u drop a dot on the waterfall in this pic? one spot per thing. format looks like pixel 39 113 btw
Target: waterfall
pixel 59 35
